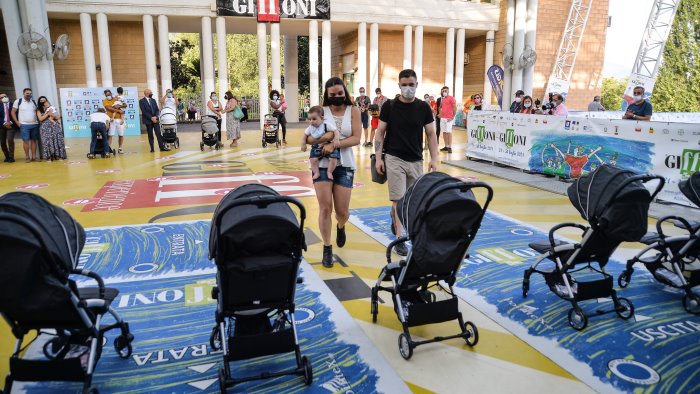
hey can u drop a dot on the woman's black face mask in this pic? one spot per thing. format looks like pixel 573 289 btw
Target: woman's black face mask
pixel 336 101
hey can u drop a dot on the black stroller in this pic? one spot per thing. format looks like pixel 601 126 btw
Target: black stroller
pixel 671 258
pixel 100 147
pixel 441 216
pixel 211 135
pixel 41 244
pixel 615 203
pixel 256 241
pixel 271 131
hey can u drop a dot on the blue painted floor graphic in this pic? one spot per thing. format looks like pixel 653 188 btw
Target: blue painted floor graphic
pixel 657 351
pixel 165 283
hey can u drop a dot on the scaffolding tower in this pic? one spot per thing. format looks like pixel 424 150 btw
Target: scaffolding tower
pixel 658 28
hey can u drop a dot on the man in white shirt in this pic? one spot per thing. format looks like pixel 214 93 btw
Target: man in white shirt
pixel 24 115
pixel 99 124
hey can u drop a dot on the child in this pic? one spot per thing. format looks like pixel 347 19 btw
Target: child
pixel 318 128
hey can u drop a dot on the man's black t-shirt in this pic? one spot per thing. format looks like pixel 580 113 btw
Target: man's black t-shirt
pixel 405 123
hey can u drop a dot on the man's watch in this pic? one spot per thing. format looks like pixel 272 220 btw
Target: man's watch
pixel 634 116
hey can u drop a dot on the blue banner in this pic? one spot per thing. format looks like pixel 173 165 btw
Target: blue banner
pixel 78 103
pixel 495 74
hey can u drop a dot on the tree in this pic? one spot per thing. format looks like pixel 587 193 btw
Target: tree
pixel 612 92
pixel 179 70
pixel 677 86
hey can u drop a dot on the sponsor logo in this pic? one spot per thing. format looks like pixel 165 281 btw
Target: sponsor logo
pixel 509 138
pixel 633 371
pixel 666 131
pixel 688 162
pixel 339 383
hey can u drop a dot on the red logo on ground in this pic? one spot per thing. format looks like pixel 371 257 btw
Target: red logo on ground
pixel 32 187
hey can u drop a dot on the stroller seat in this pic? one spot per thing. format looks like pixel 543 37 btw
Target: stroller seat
pixel 41 246
pixel 441 216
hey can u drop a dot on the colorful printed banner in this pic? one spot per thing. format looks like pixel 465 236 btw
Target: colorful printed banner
pixel 495 75
pixel 272 10
pixel 570 147
pixel 78 103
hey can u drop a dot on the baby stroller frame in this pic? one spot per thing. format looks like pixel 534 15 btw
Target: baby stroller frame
pixel 243 329
pixel 74 313
pixel 675 251
pixel 414 304
pixel 595 246
pixel 168 127
pixel 270 133
pixel 210 137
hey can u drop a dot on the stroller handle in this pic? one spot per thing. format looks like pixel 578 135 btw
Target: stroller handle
pixel 559 227
pixel 668 218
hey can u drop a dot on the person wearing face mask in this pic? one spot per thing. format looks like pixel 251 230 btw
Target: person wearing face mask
pixel 278 109
pixel 447 109
pixel 215 109
pixel 363 102
pixel 24 115
pixel 108 104
pixel 640 109
pixel 7 129
pixel 477 100
pixel 170 101
pixel 516 106
pixel 149 115
pixel 527 108
pixel 399 144
pixel 374 109
pixel 334 194
pixel 559 107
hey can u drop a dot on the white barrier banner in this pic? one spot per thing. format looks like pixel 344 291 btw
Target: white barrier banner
pixel 573 146
pixel 78 103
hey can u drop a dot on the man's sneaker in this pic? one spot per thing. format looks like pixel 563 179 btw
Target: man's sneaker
pixel 327 260
pixel 444 149
pixel 121 151
pixel 401 249
pixel 449 150
pixel 340 237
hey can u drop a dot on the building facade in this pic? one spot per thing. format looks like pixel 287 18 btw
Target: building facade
pixel 367 42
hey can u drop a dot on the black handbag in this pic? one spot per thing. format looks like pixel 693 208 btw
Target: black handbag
pixel 377 177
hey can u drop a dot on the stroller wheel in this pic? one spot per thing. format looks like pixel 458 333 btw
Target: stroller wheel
pixel 691 303
pixel 215 338
pixel 277 144
pixel 264 144
pixel 374 305
pixel 122 345
pixel 577 319
pixel 625 309
pixel 57 347
pixel 201 146
pixel 471 333
pixel 222 381
pixel 90 390
pixel 526 287
pixel 308 371
pixel 177 143
pixel 624 279
pixel 405 347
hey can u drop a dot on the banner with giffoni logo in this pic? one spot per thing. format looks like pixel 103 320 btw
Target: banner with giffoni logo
pixel 572 146
pixel 272 10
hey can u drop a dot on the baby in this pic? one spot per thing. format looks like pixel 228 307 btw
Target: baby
pixel 317 129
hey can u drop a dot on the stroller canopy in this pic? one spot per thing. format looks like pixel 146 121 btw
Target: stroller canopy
pixel 209 125
pixel 611 203
pixel 691 188
pixel 62 236
pixel 249 230
pixel 168 116
pixel 439 222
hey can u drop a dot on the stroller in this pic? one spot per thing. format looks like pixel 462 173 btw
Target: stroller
pixel 441 216
pixel 211 136
pixel 675 259
pixel 41 245
pixel 615 203
pixel 256 241
pixel 100 147
pixel 168 127
pixel 271 131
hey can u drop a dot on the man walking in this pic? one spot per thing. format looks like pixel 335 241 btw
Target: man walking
pixel 446 112
pixel 7 129
pixel 402 122
pixel 149 115
pixel 24 115
pixel 363 102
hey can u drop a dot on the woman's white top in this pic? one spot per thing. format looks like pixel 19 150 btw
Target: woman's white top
pixel 216 105
pixel 344 125
pixel 170 103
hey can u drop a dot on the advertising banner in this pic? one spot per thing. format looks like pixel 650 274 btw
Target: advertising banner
pixel 272 10
pixel 78 103
pixel 495 75
pixel 570 147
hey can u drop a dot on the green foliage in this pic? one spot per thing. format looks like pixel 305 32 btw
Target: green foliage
pixel 612 92
pixel 677 86
pixel 184 64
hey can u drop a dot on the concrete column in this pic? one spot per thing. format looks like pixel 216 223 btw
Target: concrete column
pixel 361 80
pixel 88 50
pixel 150 47
pixel 164 52
pixel 407 40
pixel 42 78
pixel 450 59
pixel 518 44
pixel 275 63
pixel 488 62
pixel 262 73
pixel 418 56
pixel 313 63
pixel 373 58
pixel 291 78
pixel 13 29
pixel 507 70
pixel 326 51
pixel 105 50
pixel 207 63
pixel 531 42
pixel 222 63
pixel 459 68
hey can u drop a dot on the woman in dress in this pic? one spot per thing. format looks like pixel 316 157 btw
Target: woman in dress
pixel 336 192
pixel 53 146
pixel 233 125
pixel 278 108
pixel 215 109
